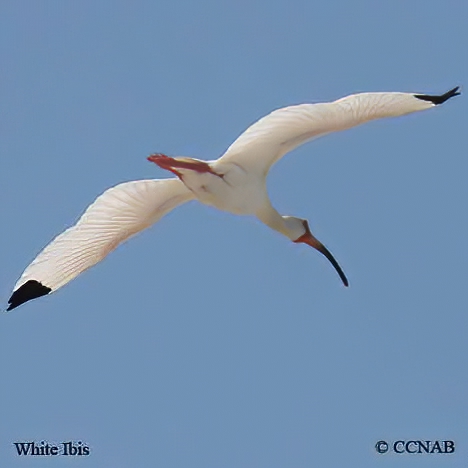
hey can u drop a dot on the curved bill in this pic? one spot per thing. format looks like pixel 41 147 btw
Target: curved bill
pixel 323 250
pixel 309 239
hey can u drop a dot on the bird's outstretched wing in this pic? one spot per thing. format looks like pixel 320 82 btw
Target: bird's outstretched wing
pixel 116 215
pixel 268 139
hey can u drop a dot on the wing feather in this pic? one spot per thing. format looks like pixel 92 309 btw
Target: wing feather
pixel 279 132
pixel 115 216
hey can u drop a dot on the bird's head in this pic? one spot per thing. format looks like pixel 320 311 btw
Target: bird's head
pixel 299 232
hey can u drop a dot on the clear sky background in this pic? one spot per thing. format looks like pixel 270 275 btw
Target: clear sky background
pixel 209 340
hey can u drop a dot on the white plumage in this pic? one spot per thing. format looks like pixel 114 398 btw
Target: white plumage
pixel 234 183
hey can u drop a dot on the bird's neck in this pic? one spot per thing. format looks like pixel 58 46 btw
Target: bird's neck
pixel 274 220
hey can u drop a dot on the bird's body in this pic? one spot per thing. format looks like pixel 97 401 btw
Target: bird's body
pixel 229 188
pixel 235 183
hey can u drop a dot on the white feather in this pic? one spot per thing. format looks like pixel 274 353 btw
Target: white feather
pixel 279 132
pixel 114 217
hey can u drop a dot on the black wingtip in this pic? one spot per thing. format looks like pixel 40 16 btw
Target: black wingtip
pixel 441 98
pixel 29 290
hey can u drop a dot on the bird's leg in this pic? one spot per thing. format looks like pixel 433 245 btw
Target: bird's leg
pixel 164 162
pixel 172 164
pixel 309 239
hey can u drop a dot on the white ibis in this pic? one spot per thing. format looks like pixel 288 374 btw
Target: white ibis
pixel 236 182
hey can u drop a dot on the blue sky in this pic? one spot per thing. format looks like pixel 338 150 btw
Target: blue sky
pixel 209 340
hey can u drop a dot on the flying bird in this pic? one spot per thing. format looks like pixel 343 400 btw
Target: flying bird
pixel 236 182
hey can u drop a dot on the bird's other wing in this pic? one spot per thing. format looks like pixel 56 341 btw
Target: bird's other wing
pixel 268 139
pixel 116 215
